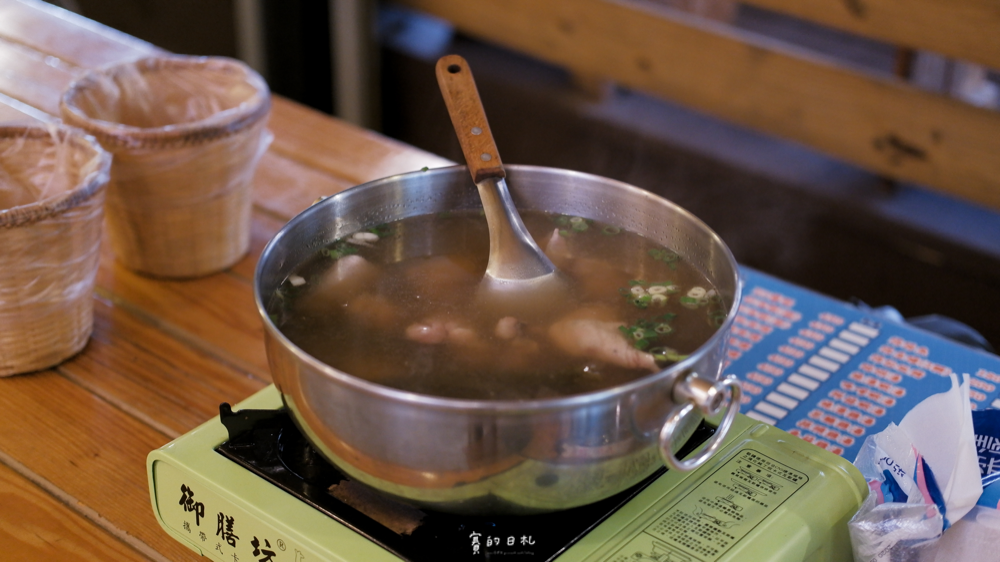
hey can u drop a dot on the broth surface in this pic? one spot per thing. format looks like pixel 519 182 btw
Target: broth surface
pixel 396 305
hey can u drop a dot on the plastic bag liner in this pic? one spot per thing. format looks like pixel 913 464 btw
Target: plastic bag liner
pixel 186 134
pixel 52 182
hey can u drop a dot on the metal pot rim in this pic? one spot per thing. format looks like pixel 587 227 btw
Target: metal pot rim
pixel 490 406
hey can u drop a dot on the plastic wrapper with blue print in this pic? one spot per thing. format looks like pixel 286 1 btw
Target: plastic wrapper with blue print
pixel 923 477
pixel 987 428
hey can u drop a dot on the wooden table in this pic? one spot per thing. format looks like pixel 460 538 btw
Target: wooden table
pixel 163 354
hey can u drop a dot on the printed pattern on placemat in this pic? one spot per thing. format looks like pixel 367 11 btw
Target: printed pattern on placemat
pixel 831 374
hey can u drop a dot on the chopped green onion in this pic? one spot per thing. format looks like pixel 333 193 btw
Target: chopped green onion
pixel 689 302
pixel 611 230
pixel 697 293
pixel 645 331
pixel 717 318
pixel 384 230
pixel 643 301
pixel 663 255
pixel 339 250
pixel 666 256
pixel 579 224
pixel 667 354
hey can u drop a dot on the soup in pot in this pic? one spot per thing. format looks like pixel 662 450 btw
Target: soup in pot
pixel 397 305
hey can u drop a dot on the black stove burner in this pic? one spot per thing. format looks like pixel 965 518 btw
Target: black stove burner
pixel 269 444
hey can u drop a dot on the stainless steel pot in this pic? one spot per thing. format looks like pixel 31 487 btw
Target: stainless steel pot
pixel 501 456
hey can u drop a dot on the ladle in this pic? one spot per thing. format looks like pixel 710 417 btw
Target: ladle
pixel 517 267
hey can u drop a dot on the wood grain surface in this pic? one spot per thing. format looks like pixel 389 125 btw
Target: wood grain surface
pixel 956 28
pixel 468 118
pixel 42 528
pixel 163 354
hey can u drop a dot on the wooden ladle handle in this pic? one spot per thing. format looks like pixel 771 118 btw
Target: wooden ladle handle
pixel 469 118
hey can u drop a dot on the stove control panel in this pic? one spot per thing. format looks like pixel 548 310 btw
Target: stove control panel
pixel 763 496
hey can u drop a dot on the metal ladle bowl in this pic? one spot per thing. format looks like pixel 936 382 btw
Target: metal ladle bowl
pixel 519 276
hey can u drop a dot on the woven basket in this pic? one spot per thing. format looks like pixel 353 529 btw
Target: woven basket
pixel 52 184
pixel 186 134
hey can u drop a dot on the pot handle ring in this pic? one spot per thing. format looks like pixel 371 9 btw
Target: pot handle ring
pixel 710 398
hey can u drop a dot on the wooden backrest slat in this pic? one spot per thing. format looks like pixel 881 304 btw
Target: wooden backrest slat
pixel 962 29
pixel 882 124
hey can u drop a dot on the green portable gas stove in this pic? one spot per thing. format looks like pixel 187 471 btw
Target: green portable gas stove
pixel 818 368
pixel 246 486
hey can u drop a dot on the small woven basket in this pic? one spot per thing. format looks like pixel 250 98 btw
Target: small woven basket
pixel 52 182
pixel 186 134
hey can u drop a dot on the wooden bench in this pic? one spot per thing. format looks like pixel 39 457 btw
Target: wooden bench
pixel 884 124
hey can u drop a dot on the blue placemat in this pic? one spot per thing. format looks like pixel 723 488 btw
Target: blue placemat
pixel 830 373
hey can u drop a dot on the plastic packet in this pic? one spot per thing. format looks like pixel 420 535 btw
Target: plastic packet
pixel 974 537
pixel 987 428
pixel 904 507
pixel 923 476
